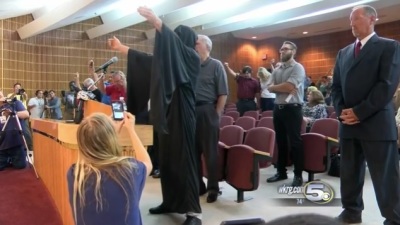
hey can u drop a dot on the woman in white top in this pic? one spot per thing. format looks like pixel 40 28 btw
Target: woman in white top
pixel 267 98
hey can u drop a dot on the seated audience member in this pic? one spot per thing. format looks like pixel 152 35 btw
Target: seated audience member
pixel 36 105
pixel 267 98
pixel 104 186
pixel 304 219
pixel 309 89
pixel 54 104
pixel 314 109
pixel 11 143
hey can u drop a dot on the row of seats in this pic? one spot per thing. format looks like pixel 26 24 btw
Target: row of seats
pixel 232 112
pixel 239 161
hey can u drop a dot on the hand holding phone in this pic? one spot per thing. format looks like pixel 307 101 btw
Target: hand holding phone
pixel 118 110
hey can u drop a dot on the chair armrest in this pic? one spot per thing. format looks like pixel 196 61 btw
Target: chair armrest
pixel 260 155
pixel 332 142
pixel 222 145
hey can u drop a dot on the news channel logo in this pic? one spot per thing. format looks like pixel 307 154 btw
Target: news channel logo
pixel 317 192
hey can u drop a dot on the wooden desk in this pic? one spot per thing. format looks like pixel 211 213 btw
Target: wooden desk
pixel 56 147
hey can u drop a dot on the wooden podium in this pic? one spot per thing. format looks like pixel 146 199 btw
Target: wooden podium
pixel 55 150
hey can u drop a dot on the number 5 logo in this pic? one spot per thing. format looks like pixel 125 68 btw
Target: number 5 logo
pixel 318 192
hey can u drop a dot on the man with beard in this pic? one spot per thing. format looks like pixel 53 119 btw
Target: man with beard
pixel 287 83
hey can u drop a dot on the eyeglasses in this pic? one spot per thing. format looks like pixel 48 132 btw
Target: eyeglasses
pixel 285 49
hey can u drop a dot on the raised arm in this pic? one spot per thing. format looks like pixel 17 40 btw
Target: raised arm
pixel 77 82
pixel 151 17
pixel 115 44
pixel 229 70
pixel 140 152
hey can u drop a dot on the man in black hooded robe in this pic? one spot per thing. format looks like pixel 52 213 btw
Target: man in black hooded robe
pixel 168 78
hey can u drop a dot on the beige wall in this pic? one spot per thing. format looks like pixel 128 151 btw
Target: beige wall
pixel 49 60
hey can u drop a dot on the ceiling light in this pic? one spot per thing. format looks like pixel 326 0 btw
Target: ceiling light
pixel 305 32
pixel 254 37
pixel 325 11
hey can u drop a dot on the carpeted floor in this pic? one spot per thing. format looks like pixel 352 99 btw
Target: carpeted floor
pixel 24 200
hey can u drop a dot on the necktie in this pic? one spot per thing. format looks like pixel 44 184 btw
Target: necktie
pixel 357 49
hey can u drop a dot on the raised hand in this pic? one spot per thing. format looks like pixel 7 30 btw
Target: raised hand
pixel 114 43
pixel 91 67
pixel 151 17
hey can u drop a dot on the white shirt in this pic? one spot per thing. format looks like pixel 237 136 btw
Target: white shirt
pixel 264 90
pixel 36 112
pixel 364 41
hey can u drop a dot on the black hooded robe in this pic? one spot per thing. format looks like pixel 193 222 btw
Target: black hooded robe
pixel 169 78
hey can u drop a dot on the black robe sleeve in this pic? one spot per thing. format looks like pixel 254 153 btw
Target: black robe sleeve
pixel 175 62
pixel 138 81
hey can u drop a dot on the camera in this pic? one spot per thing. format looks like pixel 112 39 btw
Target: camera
pixel 10 100
pixel 21 91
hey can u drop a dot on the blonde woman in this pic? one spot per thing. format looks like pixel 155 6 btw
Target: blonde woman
pixel 267 98
pixel 315 108
pixel 104 186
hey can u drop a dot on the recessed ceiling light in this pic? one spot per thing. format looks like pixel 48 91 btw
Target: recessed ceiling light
pixel 305 32
pixel 254 37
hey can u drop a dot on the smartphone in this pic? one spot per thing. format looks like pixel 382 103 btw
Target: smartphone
pixel 118 110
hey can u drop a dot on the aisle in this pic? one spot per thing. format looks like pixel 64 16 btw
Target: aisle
pixel 24 199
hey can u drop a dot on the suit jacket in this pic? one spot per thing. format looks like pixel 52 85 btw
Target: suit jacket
pixel 367 84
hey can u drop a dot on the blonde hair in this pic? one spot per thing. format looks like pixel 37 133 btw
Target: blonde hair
pixel 317 98
pixel 263 74
pixel 99 151
pixel 311 88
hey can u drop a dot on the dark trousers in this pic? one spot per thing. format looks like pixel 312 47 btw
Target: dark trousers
pixel 207 134
pixel 267 104
pixel 383 164
pixel 16 156
pixel 287 122
pixel 244 105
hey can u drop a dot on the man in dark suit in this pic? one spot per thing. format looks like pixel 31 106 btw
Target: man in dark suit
pixel 364 81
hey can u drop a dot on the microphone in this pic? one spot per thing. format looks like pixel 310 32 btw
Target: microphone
pixel 105 65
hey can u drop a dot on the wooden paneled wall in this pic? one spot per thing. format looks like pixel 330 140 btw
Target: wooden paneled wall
pixel 316 53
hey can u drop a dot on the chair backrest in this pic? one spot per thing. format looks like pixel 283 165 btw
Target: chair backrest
pixel 315 158
pixel 267 122
pixel 230 105
pixel 268 113
pixel 262 139
pixel 231 135
pixel 234 114
pixel 330 109
pixel 255 114
pixel 246 122
pixel 225 121
pixel 230 110
pixel 333 115
pixel 327 127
